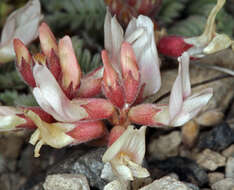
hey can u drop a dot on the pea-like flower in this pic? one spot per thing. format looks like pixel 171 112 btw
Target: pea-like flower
pixel 182 105
pixel 127 153
pixel 207 43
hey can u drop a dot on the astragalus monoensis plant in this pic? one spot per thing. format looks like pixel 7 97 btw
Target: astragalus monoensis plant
pixel 69 111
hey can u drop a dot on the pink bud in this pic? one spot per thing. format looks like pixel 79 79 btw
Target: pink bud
pixel 144 114
pixel 173 46
pixel 87 131
pixel 71 72
pixel 91 84
pixel 111 83
pixel 96 108
pixel 47 40
pixel 130 73
pixel 24 62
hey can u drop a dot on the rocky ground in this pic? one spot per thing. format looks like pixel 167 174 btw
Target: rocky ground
pixel 197 156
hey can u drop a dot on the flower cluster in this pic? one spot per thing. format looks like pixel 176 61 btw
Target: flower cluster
pixel 71 113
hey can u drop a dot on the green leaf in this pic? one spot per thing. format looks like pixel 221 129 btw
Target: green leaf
pixel 75 13
pixel 170 10
pixel 13 98
pixel 87 61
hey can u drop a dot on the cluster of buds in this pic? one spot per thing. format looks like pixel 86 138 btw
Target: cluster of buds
pixel 69 111
pixel 131 73
pixel 207 43
pixel 126 9
pixel 67 115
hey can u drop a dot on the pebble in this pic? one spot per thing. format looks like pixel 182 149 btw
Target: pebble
pixel 190 133
pixel 225 184
pixel 66 182
pixel 210 160
pixel 210 118
pixel 140 182
pixel 165 146
pixel 219 138
pixel 185 168
pixel 215 177
pixel 229 170
pixel 229 152
pixel 167 183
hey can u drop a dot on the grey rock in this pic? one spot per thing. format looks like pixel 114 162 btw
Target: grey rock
pixel 225 184
pixel 66 182
pixel 210 160
pixel 229 170
pixel 185 168
pixel 192 186
pixel 89 164
pixel 166 183
pixel 219 138
pixel 165 146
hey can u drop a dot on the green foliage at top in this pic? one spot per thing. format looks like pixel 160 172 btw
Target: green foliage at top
pixel 170 10
pixel 74 14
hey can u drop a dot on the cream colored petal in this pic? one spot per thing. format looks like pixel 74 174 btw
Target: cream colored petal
pixel 136 169
pixel 131 142
pixel 10 122
pixel 124 172
pixel 50 134
pixel 218 43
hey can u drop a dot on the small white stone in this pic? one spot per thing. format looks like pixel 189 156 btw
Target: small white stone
pixel 210 160
pixel 167 183
pixel 215 177
pixel 66 182
pixel 225 184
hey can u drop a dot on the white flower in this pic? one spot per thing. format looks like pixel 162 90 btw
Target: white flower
pixel 23 24
pixel 140 34
pixel 9 118
pixel 182 105
pixel 126 154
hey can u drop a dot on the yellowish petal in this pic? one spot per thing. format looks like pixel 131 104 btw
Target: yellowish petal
pixel 50 134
